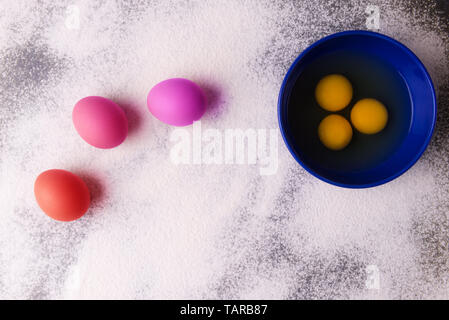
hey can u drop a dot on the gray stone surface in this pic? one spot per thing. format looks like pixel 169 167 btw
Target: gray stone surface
pixel 262 241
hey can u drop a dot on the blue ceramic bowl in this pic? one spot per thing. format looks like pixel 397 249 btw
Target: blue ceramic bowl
pixel 378 67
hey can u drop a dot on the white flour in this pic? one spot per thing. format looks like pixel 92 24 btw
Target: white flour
pixel 156 230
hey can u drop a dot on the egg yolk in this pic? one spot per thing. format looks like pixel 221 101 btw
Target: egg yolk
pixel 333 92
pixel 335 132
pixel 369 116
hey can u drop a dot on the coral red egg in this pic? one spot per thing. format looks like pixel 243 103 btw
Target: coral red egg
pixel 100 122
pixel 62 195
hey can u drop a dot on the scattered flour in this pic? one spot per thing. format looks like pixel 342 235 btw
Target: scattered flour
pixel 156 230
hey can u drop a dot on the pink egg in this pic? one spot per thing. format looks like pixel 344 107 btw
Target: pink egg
pixel 177 102
pixel 100 122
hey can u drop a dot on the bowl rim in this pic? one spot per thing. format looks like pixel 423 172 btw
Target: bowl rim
pixel 363 33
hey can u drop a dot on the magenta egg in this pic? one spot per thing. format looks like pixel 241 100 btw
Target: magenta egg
pixel 100 122
pixel 177 102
